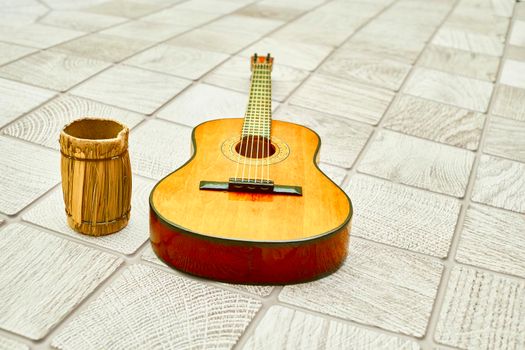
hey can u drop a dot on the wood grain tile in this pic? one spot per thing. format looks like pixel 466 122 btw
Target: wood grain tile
pixel 420 163
pixel 450 89
pixel 264 9
pixel 460 62
pixel 402 216
pixel 10 344
pixel 18 98
pixel 129 9
pixel 11 52
pixel 37 35
pixel 493 239
pixel 233 23
pixel 378 286
pixel 366 68
pixel 235 74
pixel 43 125
pixel 145 307
pixel 212 40
pixel 52 70
pixel 479 23
pixel 132 88
pixel 80 20
pixel 506 138
pixel 212 6
pixel 110 48
pixel 513 73
pixel 28 171
pixel 283 328
pixel 184 62
pixel 186 18
pixel 482 311
pixel 344 98
pixel 397 31
pixel 499 183
pixel 406 52
pixel 508 102
pixel 158 147
pixel 49 213
pixel 435 121
pixel 37 292
pixel 517 36
pixel 468 41
pixel 148 31
pixel 501 8
pixel 149 255
pixel 341 140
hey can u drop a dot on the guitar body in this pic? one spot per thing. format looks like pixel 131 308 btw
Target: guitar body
pixel 249 237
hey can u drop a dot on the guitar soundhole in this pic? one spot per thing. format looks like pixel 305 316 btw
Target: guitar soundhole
pixel 255 147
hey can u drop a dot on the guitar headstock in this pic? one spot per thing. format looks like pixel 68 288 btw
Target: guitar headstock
pixel 264 61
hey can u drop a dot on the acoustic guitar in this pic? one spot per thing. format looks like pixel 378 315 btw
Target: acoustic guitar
pixel 251 206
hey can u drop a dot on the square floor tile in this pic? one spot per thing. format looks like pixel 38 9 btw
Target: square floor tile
pixel 184 62
pixel 283 328
pixel 344 98
pixel 203 102
pixel 186 18
pixel 508 102
pixel 460 62
pixel 513 73
pixel 482 311
pixel 336 174
pixel 149 255
pixel 80 20
pixel 129 9
pixel 450 89
pixel 378 286
pixel 365 68
pixel 52 70
pixel 420 163
pixel 11 52
pixel 50 213
pixel 341 140
pixel 506 138
pixel 147 308
pixel 43 125
pixel 105 47
pixel 233 23
pixel 28 171
pixel 213 6
pixel 265 9
pixel 401 216
pixel 479 22
pixel 397 31
pixel 18 98
pixel 37 35
pixel 213 40
pixel 158 147
pixel 435 121
pixel 493 239
pixel 468 41
pixel 132 88
pixel 290 53
pixel 500 183
pixel 10 344
pixel 235 74
pixel 517 36
pixel 37 292
pixel 368 44
pixel 148 31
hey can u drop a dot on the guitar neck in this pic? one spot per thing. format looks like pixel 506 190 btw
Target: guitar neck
pixel 258 117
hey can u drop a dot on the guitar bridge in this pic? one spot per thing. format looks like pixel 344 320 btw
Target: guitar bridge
pixel 251 186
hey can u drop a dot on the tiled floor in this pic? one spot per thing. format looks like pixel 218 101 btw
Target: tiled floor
pixel 421 108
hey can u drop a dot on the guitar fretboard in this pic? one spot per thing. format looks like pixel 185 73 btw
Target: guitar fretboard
pixel 258 117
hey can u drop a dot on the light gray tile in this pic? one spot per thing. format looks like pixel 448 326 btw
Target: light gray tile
pixel 235 74
pixel 479 22
pixel 283 328
pixel 513 73
pixel 517 36
pixel 111 48
pixel 366 68
pixel 264 9
pixel 500 183
pixel 80 20
pixel 132 88
pixel 213 40
pixel 341 140
pixel 482 311
pixel 377 286
pixel 52 70
pixel 212 6
pixel 402 216
pixel 506 138
pixel 11 52
pixel 37 292
pixel 435 121
pixel 147 308
pixel 50 213
pixel 10 344
pixel 233 23
pixel 37 35
pixel 344 98
pixel 397 31
pixel 28 171
pixel 468 41
pixel 420 163
pixel 493 239
pixel 148 31
pixel 129 9
pixel 181 61
pixel 402 51
pixel 290 53
pixel 460 62
pixel 149 255
pixel 18 98
pixel 501 8
pixel 450 89
pixel 158 147
pixel 509 102
pixel 336 174
pixel 186 18
pixel 43 125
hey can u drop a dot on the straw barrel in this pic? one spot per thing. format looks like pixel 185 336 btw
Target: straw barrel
pixel 96 175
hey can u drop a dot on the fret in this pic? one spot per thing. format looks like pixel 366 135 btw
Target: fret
pixel 258 116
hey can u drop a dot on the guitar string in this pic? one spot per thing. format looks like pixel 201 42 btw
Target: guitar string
pixel 261 111
pixel 254 111
pixel 246 118
pixel 269 124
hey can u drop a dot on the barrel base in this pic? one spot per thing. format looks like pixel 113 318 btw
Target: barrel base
pixel 99 228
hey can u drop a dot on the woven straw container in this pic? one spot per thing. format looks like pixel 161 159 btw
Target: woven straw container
pixel 96 175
